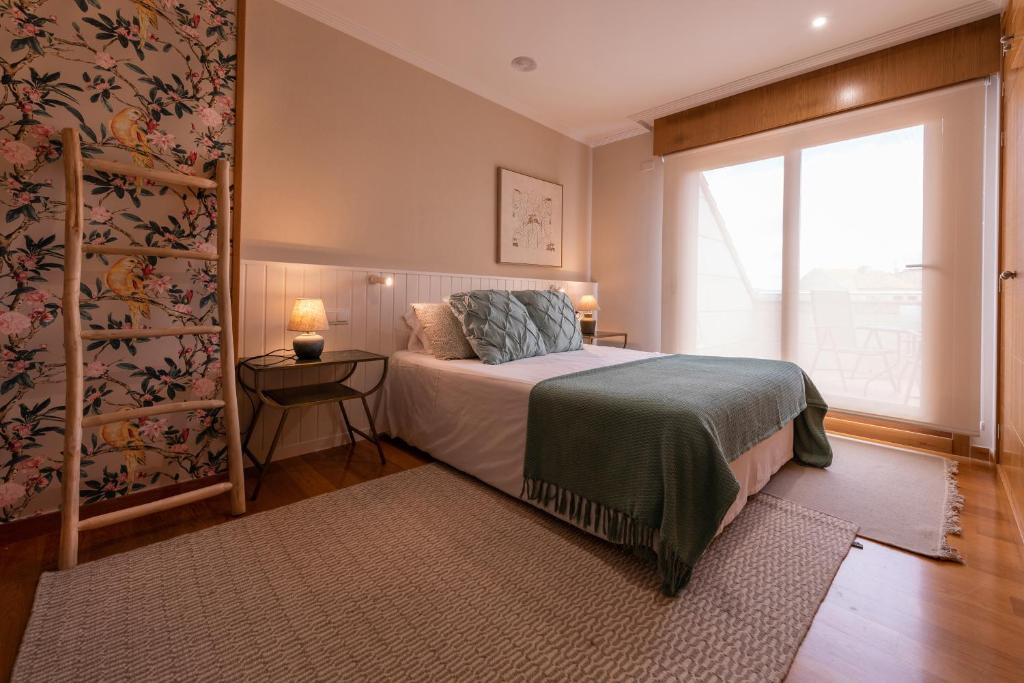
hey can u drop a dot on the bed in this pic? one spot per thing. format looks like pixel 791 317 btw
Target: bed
pixel 472 416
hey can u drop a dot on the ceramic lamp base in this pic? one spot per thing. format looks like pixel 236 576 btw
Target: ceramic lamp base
pixel 588 325
pixel 308 346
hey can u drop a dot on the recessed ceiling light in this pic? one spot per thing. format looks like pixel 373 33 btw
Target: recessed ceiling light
pixel 819 22
pixel 524 64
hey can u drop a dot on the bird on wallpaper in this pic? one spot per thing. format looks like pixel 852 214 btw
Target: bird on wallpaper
pixel 126 126
pixel 124 280
pixel 124 436
pixel 147 17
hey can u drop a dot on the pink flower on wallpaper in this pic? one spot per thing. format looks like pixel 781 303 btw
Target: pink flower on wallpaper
pixel 206 247
pixel 35 301
pixel 18 153
pixel 11 493
pixel 37 296
pixel 160 141
pixel 210 117
pixel 100 214
pixel 203 387
pixel 105 61
pixel 214 369
pixel 153 429
pixel 41 133
pixel 14 324
pixel 158 284
pixel 95 369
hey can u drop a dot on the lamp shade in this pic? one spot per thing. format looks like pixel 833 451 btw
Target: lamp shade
pixel 587 304
pixel 308 315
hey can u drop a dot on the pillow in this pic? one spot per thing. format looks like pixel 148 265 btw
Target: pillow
pixel 442 331
pixel 554 315
pixel 417 337
pixel 497 326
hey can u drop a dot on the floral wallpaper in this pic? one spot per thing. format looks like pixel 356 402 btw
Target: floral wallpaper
pixel 148 82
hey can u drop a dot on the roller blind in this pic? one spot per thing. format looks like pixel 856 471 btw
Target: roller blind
pixel 852 245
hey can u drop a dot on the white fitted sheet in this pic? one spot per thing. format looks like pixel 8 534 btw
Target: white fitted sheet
pixel 472 416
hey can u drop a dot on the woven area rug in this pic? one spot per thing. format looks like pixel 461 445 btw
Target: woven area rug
pixel 428 575
pixel 896 496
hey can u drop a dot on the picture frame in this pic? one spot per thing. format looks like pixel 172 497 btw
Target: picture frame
pixel 530 220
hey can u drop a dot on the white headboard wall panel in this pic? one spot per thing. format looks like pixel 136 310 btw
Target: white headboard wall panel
pixel 374 323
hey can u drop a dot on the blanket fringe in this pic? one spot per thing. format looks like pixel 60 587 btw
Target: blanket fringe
pixel 614 525
pixel 954 505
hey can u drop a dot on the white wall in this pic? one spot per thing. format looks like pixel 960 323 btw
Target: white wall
pixel 354 157
pixel 626 239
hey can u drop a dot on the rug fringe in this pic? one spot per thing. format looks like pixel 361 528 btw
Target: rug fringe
pixel 614 525
pixel 954 505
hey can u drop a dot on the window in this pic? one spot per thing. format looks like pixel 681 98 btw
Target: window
pixel 850 245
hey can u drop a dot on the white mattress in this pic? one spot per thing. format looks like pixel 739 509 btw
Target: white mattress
pixel 472 416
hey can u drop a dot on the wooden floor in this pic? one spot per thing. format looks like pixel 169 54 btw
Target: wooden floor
pixel 889 616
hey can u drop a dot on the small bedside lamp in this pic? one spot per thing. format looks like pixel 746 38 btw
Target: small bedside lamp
pixel 308 317
pixel 587 305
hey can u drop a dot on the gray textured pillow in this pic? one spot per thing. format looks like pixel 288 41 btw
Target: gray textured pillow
pixel 443 332
pixel 497 326
pixel 554 315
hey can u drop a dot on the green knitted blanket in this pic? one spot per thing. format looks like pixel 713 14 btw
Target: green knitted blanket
pixel 644 447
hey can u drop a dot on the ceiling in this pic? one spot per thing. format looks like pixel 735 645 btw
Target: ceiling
pixel 606 68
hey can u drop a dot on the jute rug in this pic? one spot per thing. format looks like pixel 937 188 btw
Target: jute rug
pixel 896 496
pixel 428 575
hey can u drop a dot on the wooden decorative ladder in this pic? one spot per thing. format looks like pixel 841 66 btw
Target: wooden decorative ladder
pixel 74 336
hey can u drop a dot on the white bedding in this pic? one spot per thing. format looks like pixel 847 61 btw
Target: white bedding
pixel 472 416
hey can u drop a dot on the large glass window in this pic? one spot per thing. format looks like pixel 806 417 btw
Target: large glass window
pixel 739 260
pixel 861 260
pixel 852 245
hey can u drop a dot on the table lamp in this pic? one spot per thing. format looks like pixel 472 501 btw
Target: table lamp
pixel 308 317
pixel 587 305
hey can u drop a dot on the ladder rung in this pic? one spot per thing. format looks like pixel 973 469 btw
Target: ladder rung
pixel 146 332
pixel 167 252
pixel 144 509
pixel 150 411
pixel 162 177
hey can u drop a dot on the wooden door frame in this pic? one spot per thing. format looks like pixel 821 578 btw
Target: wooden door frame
pixel 1014 52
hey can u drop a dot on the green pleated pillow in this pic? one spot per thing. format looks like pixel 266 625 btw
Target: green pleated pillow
pixel 555 316
pixel 497 325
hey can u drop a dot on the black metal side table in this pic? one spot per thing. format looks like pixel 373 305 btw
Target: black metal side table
pixel 304 396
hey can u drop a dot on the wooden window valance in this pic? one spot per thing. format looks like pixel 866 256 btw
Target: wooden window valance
pixel 936 61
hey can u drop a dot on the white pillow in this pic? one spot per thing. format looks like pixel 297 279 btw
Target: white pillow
pixel 443 332
pixel 417 337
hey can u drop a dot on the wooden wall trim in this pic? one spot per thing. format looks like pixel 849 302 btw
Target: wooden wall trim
pixel 943 59
pixel 1015 509
pixel 1010 356
pixel 236 217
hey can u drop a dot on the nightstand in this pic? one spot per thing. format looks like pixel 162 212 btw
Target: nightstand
pixel 602 334
pixel 305 396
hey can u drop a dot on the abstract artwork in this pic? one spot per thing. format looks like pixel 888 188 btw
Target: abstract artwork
pixel 529 220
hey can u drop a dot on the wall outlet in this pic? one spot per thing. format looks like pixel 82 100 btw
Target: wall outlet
pixel 338 316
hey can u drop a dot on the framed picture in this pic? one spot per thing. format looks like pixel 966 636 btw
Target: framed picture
pixel 529 220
